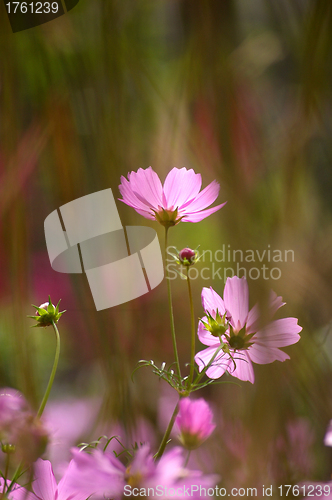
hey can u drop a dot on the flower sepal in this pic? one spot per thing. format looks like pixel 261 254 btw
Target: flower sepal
pixel 48 314
pixel 239 340
pixel 216 326
pixel 167 218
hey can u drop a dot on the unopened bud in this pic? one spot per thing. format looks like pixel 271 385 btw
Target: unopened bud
pixel 47 314
pixel 187 256
pixel 195 422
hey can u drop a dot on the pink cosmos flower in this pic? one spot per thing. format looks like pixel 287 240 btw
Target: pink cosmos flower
pixel 230 320
pixel 74 485
pixel 178 199
pixel 111 479
pixel 195 422
pixel 19 427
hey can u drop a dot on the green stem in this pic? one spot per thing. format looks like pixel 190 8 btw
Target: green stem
pixel 187 459
pixel 167 433
pixel 171 309
pixel 53 372
pixel 193 333
pixel 6 473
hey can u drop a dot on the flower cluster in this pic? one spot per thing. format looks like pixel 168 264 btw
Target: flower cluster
pixel 235 338
pixel 99 476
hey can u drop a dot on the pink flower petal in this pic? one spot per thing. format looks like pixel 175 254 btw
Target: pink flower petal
pixel 275 302
pixel 253 320
pixel 279 333
pixel 130 198
pixel 204 199
pixel 145 214
pixel 146 184
pixel 198 216
pixel 180 186
pixel 236 300
pixel 217 370
pixel 211 301
pixel 262 354
pixel 218 366
pixel 44 485
pixel 18 492
pixel 244 369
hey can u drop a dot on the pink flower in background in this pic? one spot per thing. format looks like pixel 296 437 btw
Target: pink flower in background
pixel 178 199
pixel 328 435
pixel 67 421
pixel 291 453
pixel 195 422
pixel 19 427
pixel 245 342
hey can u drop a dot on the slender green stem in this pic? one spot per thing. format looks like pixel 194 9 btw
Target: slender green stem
pixel 187 459
pixel 6 473
pixel 193 333
pixel 53 372
pixel 171 308
pixel 167 433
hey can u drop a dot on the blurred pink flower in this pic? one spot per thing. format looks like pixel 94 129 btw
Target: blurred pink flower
pixel 291 454
pixel 19 427
pixel 45 486
pixel 328 435
pixel 179 199
pixel 98 474
pixel 239 329
pixel 195 422
pixel 68 422
pixel 112 478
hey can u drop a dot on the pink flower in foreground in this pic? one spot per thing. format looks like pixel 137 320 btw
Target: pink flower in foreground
pixel 244 341
pixel 142 473
pixel 178 199
pixel 195 422
pixel 74 485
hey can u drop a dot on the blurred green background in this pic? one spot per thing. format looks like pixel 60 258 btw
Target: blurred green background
pixel 238 90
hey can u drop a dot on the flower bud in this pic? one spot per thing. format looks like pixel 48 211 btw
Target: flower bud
pixel 8 448
pixel 195 422
pixel 47 314
pixel 187 256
